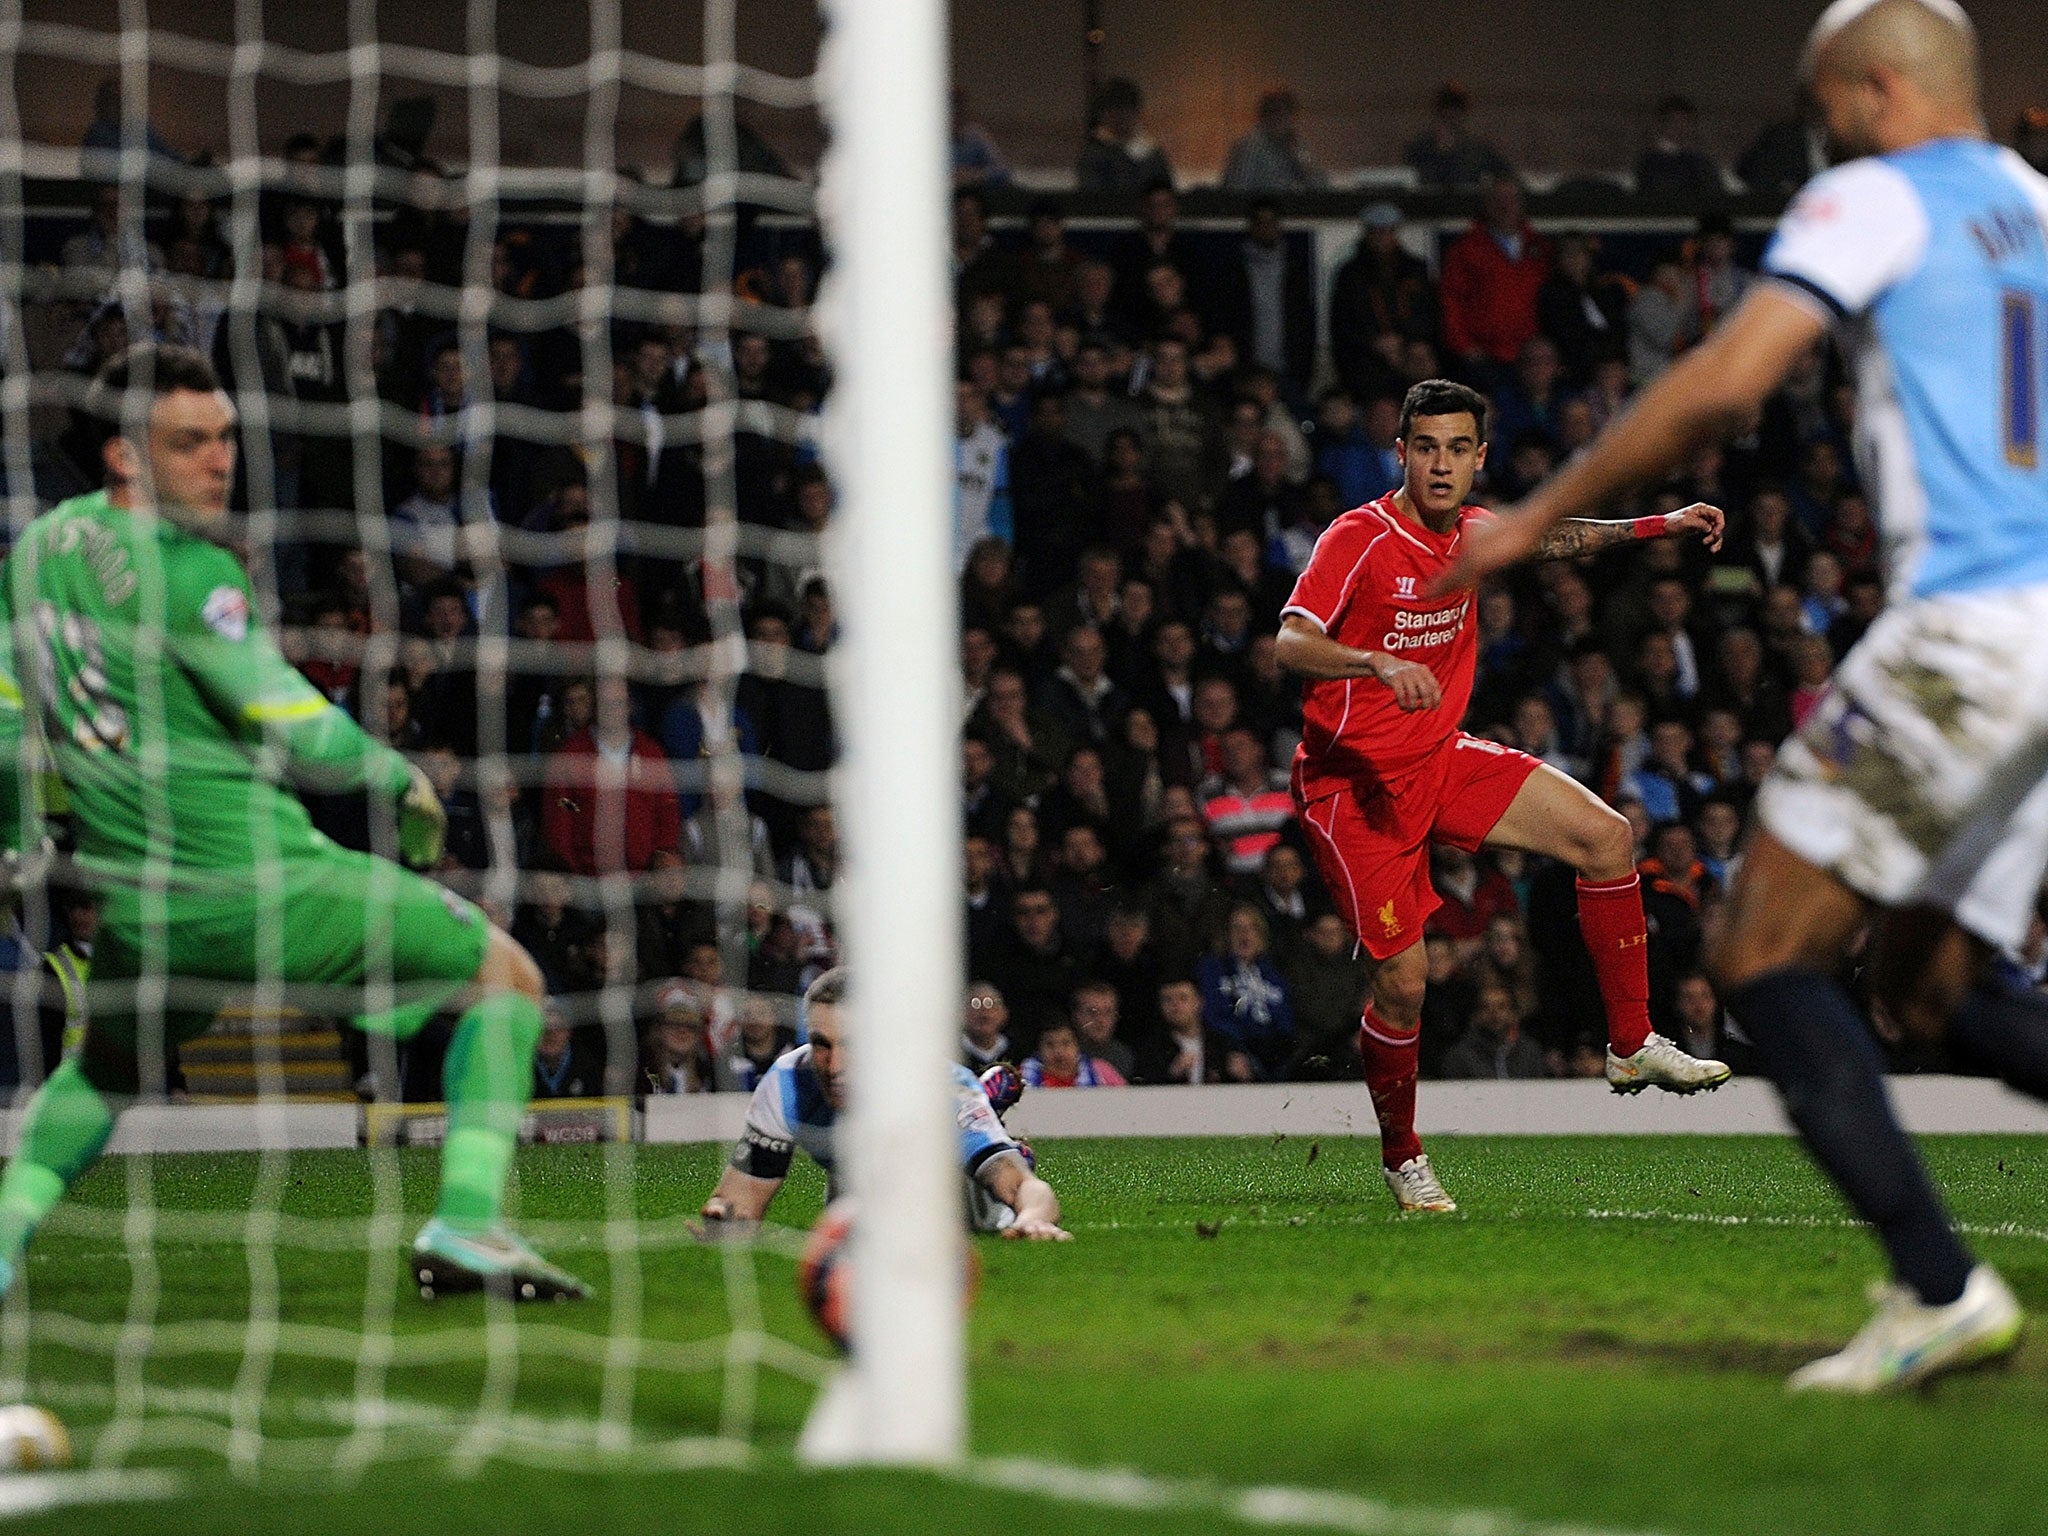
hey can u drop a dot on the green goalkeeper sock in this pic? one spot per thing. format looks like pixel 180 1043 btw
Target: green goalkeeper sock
pixel 66 1128
pixel 486 1080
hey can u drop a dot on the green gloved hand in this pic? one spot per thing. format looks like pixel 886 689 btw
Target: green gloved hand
pixel 422 824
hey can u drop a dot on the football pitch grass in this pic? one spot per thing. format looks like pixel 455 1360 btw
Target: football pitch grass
pixel 1597 1341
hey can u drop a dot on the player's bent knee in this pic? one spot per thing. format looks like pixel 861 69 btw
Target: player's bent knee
pixel 507 967
pixel 1607 843
pixel 1399 986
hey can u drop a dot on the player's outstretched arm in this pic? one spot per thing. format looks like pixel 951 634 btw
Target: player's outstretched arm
pixel 740 1197
pixel 261 697
pixel 1305 649
pixel 1577 536
pixel 1037 1207
pixel 1710 392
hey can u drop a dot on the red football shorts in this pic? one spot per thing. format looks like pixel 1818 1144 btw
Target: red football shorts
pixel 1371 842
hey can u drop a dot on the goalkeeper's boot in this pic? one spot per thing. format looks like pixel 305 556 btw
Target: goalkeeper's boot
pixel 446 1261
pixel 1661 1064
pixel 1415 1188
pixel 1908 1342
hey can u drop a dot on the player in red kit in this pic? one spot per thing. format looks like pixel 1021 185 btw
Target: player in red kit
pixel 1384 770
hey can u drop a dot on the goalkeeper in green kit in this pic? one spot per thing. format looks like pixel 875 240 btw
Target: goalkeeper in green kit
pixel 176 727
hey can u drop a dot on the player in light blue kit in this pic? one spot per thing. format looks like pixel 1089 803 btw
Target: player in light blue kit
pixel 797 1106
pixel 1915 793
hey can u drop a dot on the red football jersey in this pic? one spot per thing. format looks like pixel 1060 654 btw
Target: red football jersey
pixel 1363 587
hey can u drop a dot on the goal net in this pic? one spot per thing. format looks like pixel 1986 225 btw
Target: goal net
pixel 595 457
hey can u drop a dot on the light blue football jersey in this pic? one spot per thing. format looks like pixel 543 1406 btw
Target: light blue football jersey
pixel 789 1111
pixel 1934 261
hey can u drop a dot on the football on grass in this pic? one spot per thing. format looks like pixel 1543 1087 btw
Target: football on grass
pixel 824 1274
pixel 32 1440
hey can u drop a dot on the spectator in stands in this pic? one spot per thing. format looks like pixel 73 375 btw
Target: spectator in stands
pixel 1082 884
pixel 1585 313
pixel 1784 156
pixel 96 255
pixel 1493 1045
pixel 1246 812
pixel 1696 1023
pixel 1051 267
pixel 761 1039
pixel 1718 283
pixel 107 133
pixel 1187 908
pixel 1244 996
pixel 1491 276
pixel 1327 982
pixel 673 1055
pixel 1472 894
pixel 427 540
pixel 1505 959
pixel 1674 169
pixel 1663 319
pixel 1095 1022
pixel 1029 746
pixel 1744 686
pixel 1185 1049
pixel 1183 429
pixel 1813 666
pixel 611 800
pixel 976 160
pixel 1381 290
pixel 1118 156
pixel 1271 158
pixel 984 1028
pixel 580 608
pixel 1347 456
pixel 981 468
pixel 565 1066
pixel 1062 1062
pixel 195 225
pixel 1035 970
pixel 1530 400
pixel 1769 547
pixel 1269 303
pixel 1095 411
pixel 980 265
pixel 1146 294
pixel 1449 157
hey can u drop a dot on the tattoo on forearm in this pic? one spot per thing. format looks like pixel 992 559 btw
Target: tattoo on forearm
pixel 1577 536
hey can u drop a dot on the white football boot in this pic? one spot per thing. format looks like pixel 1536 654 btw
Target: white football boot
pixel 1908 1342
pixel 1661 1064
pixel 1415 1187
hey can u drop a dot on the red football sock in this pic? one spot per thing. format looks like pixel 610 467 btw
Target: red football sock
pixel 1390 1055
pixel 1611 920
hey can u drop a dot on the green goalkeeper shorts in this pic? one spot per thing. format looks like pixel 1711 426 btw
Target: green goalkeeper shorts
pixel 339 935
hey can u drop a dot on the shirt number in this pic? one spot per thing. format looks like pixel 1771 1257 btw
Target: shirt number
pixel 73 673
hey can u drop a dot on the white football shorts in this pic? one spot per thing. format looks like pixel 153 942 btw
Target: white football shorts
pixel 1919 778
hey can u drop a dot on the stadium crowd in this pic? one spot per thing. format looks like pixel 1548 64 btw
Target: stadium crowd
pixel 1153 427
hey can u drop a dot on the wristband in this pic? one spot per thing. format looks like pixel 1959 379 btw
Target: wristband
pixel 1648 527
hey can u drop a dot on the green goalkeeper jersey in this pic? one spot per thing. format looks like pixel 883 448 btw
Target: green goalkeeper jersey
pixel 174 722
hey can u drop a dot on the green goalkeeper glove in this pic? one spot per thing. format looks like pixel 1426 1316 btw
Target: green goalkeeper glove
pixel 421 822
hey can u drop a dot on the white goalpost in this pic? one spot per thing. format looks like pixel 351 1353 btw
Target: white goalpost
pixel 886 316
pixel 142 1382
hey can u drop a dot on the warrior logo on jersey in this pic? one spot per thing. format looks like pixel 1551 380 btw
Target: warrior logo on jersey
pixel 226 613
pixel 1404 586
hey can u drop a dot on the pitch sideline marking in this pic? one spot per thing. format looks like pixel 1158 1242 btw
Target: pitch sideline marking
pixel 35 1493
pixel 1281 1508
pixel 1271 1507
